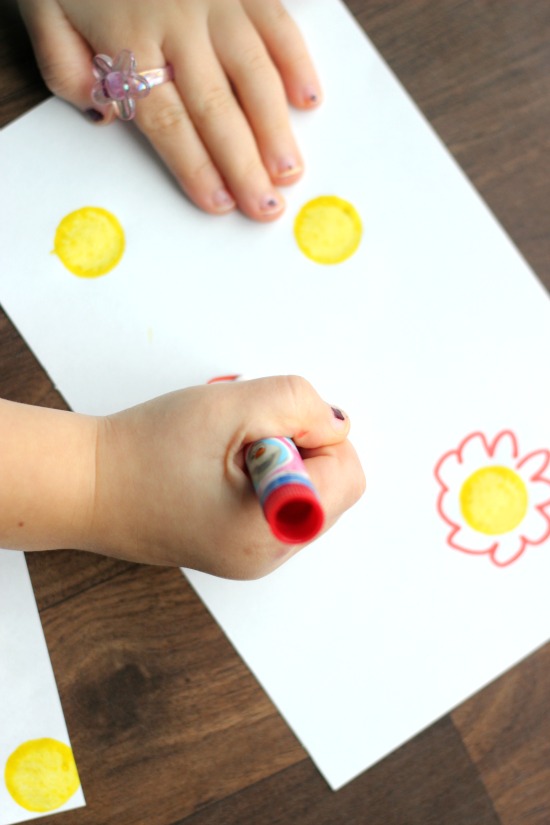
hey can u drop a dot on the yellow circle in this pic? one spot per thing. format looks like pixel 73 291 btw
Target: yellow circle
pixel 89 241
pixel 493 500
pixel 328 229
pixel 41 775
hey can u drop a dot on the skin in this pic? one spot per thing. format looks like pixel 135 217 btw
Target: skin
pixel 222 126
pixel 163 482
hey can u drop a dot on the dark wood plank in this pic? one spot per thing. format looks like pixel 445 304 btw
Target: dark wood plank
pixel 58 575
pixel 22 378
pixel 506 730
pixel 480 73
pixel 167 721
pixel 21 86
pixel 164 717
pixel 429 781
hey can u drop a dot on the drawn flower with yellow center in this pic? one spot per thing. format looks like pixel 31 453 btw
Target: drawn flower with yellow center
pixel 493 499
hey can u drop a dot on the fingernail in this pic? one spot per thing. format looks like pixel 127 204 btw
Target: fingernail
pixel 339 416
pixel 94 116
pixel 270 204
pixel 288 166
pixel 312 96
pixel 223 201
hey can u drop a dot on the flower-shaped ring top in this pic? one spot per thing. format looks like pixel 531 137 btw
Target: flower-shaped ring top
pixel 119 82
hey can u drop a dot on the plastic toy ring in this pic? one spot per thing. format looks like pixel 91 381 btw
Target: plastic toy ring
pixel 118 82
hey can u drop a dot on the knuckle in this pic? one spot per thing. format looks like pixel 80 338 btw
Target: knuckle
pixel 278 13
pixel 295 388
pixel 215 103
pixel 58 78
pixel 254 60
pixel 163 119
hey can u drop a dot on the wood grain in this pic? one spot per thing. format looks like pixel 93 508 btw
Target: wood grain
pixel 506 730
pixel 168 725
pixel 164 718
pixel 429 781
pixel 480 73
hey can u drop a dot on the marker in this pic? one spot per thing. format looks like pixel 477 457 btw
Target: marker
pixel 288 498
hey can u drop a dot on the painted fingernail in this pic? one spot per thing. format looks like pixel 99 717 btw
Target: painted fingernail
pixel 94 116
pixel 223 201
pixel 270 204
pixel 312 96
pixel 339 416
pixel 287 167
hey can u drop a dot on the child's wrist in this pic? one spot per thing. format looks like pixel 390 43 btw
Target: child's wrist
pixel 113 521
pixel 72 438
pixel 48 470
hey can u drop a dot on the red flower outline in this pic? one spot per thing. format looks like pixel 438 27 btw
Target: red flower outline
pixel 536 476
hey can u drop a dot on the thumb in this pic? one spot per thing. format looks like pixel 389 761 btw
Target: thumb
pixel 289 406
pixel 63 56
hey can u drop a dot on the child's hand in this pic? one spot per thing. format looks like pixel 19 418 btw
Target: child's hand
pixel 222 126
pixel 170 483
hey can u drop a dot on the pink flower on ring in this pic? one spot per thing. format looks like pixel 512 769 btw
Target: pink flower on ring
pixel 118 82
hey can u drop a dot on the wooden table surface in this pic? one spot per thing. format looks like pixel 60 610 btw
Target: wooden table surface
pixel 167 724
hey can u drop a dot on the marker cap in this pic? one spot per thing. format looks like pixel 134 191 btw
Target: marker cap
pixel 294 513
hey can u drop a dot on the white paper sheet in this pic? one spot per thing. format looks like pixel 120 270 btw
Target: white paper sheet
pixel 433 330
pixel 31 718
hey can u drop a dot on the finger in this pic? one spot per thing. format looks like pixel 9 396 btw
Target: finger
pixel 338 477
pixel 222 126
pixel 164 120
pixel 260 92
pixel 288 51
pixel 63 56
pixel 290 406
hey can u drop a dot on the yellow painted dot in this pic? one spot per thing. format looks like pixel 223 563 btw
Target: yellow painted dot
pixel 89 242
pixel 41 775
pixel 494 500
pixel 328 229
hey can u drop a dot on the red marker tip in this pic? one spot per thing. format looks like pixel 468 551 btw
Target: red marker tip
pixel 294 513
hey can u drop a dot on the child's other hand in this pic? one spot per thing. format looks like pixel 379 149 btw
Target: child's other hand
pixel 222 125
pixel 170 484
